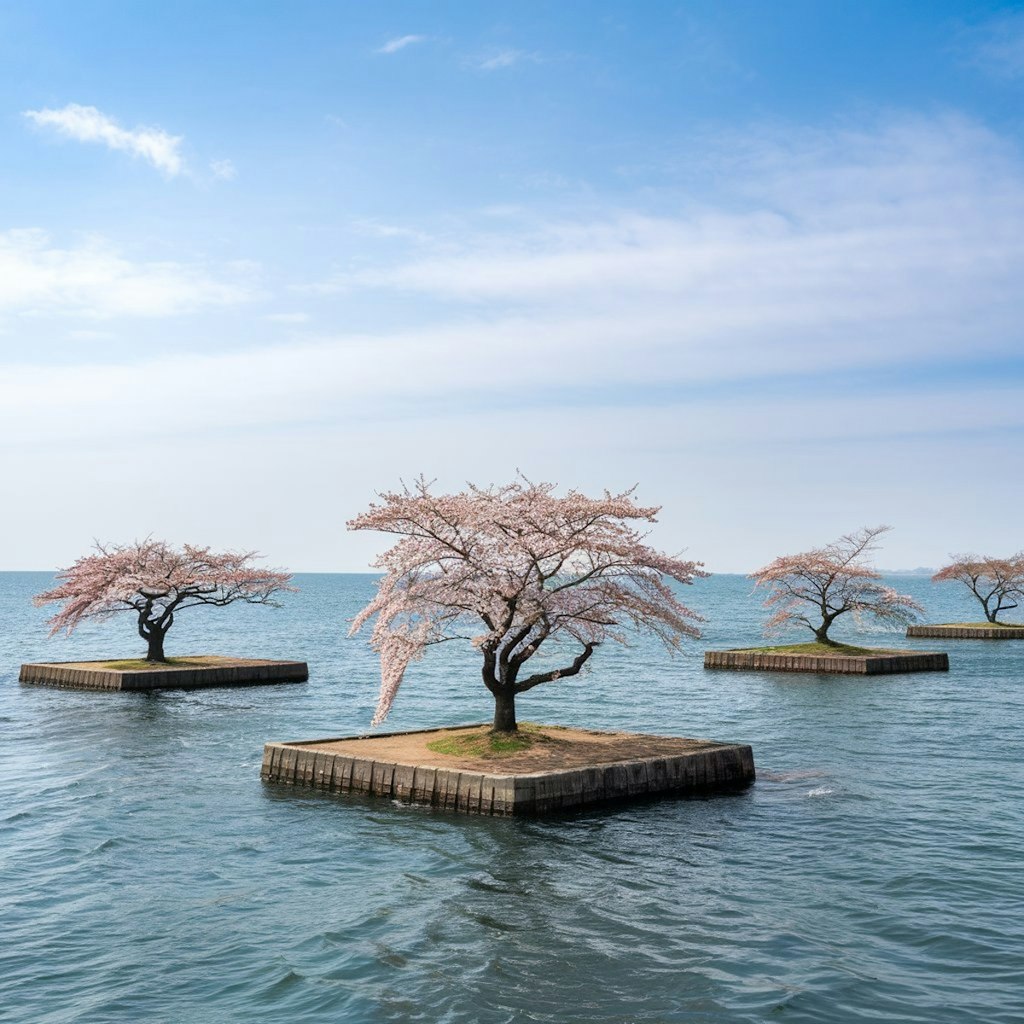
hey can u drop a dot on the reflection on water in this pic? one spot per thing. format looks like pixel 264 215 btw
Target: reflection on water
pixel 871 873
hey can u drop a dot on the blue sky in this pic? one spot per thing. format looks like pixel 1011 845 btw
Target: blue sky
pixel 258 261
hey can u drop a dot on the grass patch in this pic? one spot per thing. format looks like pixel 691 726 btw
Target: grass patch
pixel 484 743
pixel 817 649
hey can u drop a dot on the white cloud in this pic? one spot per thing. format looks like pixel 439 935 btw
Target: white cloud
pixel 399 43
pixel 87 124
pixel 376 229
pixel 288 318
pixel 997 46
pixel 223 170
pixel 831 250
pixel 504 59
pixel 774 342
pixel 92 279
pixel 514 372
pixel 87 334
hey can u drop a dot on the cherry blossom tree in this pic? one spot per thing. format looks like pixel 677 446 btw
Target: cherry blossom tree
pixel 155 582
pixel 998 583
pixel 521 574
pixel 814 588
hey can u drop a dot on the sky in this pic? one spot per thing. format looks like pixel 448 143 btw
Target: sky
pixel 261 261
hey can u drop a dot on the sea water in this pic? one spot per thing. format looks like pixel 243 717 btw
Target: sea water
pixel 872 873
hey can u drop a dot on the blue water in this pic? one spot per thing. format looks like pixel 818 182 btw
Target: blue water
pixel 872 873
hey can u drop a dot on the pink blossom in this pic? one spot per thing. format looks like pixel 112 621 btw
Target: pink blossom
pixel 511 569
pixel 815 587
pixel 998 583
pixel 155 581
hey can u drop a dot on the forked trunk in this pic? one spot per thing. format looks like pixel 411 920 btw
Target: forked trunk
pixel 504 712
pixel 153 628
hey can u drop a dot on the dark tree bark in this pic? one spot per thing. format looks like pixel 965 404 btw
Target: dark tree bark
pixel 505 711
pixel 501 678
pixel 156 647
pixel 153 629
pixel 992 614
pixel 827 618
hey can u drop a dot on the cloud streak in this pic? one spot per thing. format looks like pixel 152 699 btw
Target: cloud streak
pixel 92 279
pixel 502 59
pixel 223 170
pixel 87 124
pixel 835 250
pixel 997 46
pixel 826 310
pixel 399 43
pixel 378 396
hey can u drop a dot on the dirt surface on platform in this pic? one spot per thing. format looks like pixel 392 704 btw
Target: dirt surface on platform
pixel 141 665
pixel 554 749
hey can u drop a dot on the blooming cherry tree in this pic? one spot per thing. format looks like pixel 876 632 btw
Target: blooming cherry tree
pixel 521 574
pixel 815 588
pixel 998 583
pixel 154 581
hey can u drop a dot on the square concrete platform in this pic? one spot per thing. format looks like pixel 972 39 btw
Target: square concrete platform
pixel 577 768
pixel 957 631
pixel 191 673
pixel 883 663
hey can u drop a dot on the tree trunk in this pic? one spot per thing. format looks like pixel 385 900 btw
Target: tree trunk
pixel 821 634
pixel 504 712
pixel 156 646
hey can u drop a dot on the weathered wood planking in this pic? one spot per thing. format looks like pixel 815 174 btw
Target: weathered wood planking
pixel 841 664
pixel 234 672
pixel 715 766
pixel 969 632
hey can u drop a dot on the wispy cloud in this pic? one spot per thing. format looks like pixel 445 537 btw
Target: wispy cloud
pixel 506 58
pixel 412 377
pixel 87 124
pixel 93 280
pixel 842 289
pixel 399 43
pixel 997 45
pixel 377 229
pixel 835 250
pixel 223 170
pixel 288 318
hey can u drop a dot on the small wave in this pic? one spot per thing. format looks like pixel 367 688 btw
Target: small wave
pixel 485 886
pixel 790 776
pixel 283 984
pixel 821 791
